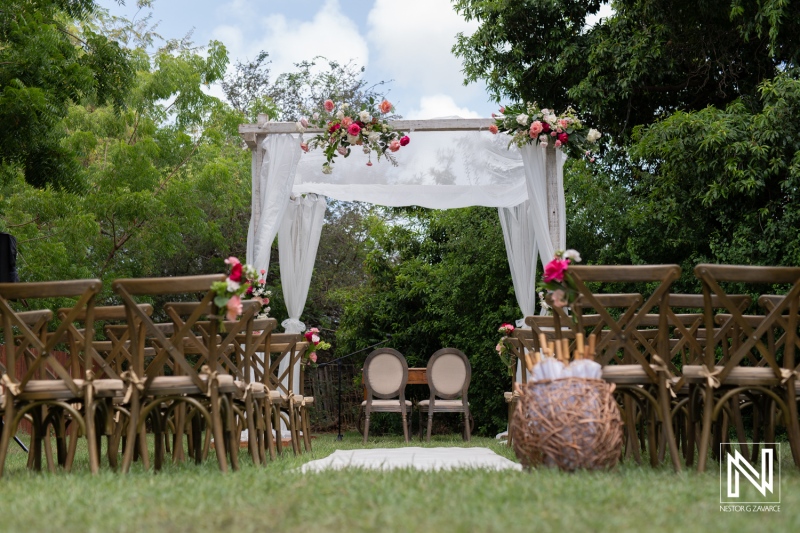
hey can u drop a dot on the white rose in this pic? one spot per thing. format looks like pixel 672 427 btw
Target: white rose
pixel 340 114
pixel 593 135
pixel 315 116
pixel 233 286
pixel 326 169
pixel 345 105
pixel 522 119
pixel 352 139
pixel 573 254
pixel 365 116
pixel 374 136
pixel 300 127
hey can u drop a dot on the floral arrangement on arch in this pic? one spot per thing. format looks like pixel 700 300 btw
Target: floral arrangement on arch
pixel 233 288
pixel 504 349
pixel 258 291
pixel 557 280
pixel 348 129
pixel 528 123
pixel 314 343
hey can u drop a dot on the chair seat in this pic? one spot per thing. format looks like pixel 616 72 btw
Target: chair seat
pixel 258 390
pixel 164 385
pixel 626 375
pixel 56 389
pixel 386 406
pixel 739 376
pixel 442 405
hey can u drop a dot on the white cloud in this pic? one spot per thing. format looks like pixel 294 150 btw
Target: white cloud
pixel 439 106
pixel 329 33
pixel 412 41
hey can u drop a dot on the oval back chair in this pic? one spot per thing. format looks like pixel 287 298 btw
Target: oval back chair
pixel 449 374
pixel 385 378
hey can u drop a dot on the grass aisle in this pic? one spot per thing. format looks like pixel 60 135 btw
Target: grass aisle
pixel 279 498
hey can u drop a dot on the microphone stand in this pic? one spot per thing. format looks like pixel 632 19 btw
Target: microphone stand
pixel 338 362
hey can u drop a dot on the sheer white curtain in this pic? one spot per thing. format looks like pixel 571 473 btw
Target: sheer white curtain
pixel 298 240
pixel 534 160
pixel 272 187
pixel 521 249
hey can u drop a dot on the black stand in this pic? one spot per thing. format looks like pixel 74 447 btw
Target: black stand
pixel 338 362
pixel 16 439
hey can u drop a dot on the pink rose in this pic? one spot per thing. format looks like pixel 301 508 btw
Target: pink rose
pixel 559 298
pixel 499 348
pixel 555 270
pixel 234 306
pixel 369 163
pixel 404 140
pixel 394 145
pixel 563 123
pixel 346 121
pixel 493 129
pixel 558 144
pixel 563 137
pixel 304 122
pixel 313 357
pixel 502 109
pixel 536 129
pixel 591 160
pixel 354 129
pixel 304 147
pixel 342 150
pixel 553 134
pixel 263 271
pixel 232 261
pixel 385 107
pixel 328 105
pixel 314 330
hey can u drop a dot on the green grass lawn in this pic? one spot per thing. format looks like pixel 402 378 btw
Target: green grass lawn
pixel 279 498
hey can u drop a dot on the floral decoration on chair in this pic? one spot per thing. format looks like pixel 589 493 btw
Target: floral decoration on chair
pixel 230 291
pixel 258 291
pixel 503 348
pixel 528 123
pixel 314 343
pixel 557 280
pixel 348 129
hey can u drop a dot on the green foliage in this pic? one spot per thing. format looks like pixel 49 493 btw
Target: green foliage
pixel 46 65
pixel 438 278
pixel 650 58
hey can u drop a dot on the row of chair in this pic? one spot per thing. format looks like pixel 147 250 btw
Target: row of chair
pixel 386 375
pixel 175 377
pixel 686 366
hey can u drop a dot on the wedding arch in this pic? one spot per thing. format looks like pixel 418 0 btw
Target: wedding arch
pixel 450 163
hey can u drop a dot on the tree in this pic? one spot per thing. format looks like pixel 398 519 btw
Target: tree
pixel 649 59
pixel 46 65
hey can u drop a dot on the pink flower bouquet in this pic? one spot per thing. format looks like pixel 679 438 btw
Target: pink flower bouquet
pixel 229 292
pixel 557 280
pixel 314 343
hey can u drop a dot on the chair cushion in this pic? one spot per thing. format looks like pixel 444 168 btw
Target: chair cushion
pixel 386 403
pixel 441 404
pixel 740 375
pixel 56 389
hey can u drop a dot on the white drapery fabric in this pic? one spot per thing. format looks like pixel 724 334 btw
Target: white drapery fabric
pixel 521 249
pixel 534 158
pixel 298 240
pixel 271 192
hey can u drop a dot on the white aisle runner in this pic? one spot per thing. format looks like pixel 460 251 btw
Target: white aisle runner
pixel 413 457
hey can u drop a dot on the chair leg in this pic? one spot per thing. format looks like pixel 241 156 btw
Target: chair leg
pixel 8 431
pixel 270 439
pixel 276 423
pixel 252 441
pixel 467 429
pixel 792 423
pixel 430 423
pixel 405 422
pixel 666 419
pixel 216 428
pixel 366 424
pixel 705 434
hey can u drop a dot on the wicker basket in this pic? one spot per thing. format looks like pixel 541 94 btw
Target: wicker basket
pixel 571 423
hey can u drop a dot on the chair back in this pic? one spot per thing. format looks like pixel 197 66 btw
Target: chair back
pixel 750 339
pixel 622 336
pixel 171 342
pixel 385 374
pixel 284 350
pixel 32 340
pixel 449 374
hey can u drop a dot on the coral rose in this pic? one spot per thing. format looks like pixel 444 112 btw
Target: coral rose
pixel 559 298
pixel 328 105
pixel 493 129
pixel 346 121
pixel 313 357
pixel 234 307
pixel 536 129
pixel 394 145
pixel 555 270
pixel 304 147
pixel 404 140
pixel 385 107
pixel 354 129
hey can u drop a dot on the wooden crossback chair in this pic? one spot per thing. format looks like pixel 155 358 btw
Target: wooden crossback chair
pixel 48 389
pixel 755 363
pixel 254 393
pixel 279 370
pixel 633 354
pixel 156 393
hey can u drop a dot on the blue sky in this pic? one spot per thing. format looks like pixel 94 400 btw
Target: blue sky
pixel 407 41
